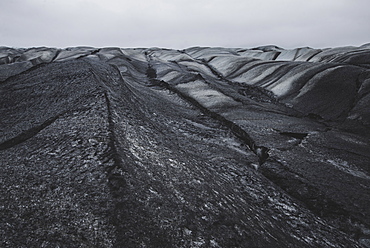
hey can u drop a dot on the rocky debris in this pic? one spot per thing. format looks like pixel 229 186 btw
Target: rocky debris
pixel 203 147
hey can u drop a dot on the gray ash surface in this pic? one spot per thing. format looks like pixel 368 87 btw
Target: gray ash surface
pixel 203 147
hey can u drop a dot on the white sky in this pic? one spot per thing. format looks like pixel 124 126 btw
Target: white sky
pixel 184 23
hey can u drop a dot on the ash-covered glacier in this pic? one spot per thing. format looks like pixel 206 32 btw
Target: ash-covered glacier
pixel 201 147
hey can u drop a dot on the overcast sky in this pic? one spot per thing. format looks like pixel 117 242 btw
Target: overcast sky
pixel 184 23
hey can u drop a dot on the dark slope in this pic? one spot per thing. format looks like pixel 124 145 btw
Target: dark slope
pixel 205 147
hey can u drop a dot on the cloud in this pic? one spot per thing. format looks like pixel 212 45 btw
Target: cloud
pixel 180 23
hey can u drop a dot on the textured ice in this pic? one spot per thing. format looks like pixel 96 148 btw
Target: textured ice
pixel 201 147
